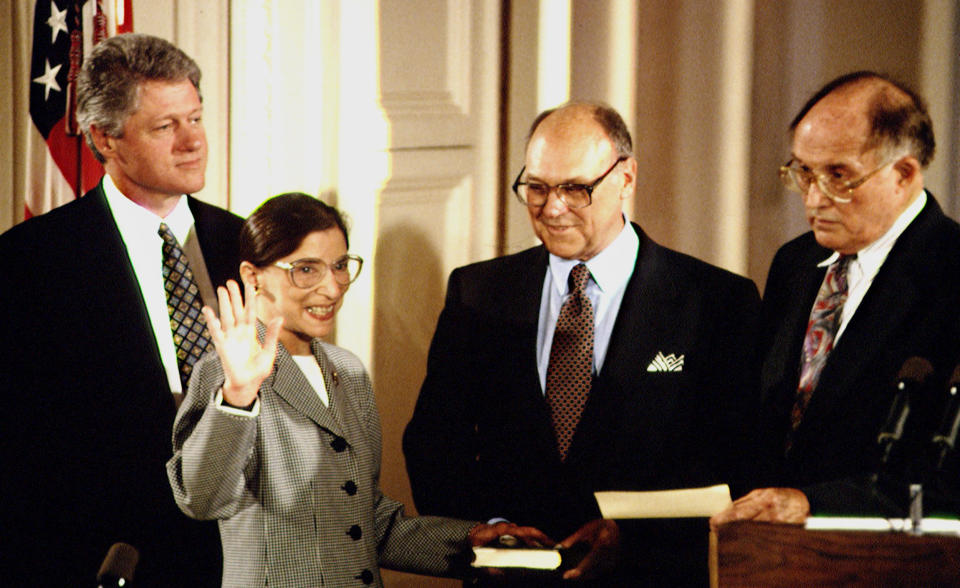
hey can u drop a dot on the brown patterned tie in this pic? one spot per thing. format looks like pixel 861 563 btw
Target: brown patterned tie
pixel 821 331
pixel 570 368
pixel 187 324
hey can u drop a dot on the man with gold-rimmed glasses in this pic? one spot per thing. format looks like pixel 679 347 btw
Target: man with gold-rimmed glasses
pixel 834 185
pixel 597 361
pixel 877 281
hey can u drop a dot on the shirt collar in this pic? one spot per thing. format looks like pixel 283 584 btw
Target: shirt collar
pixel 129 214
pixel 873 255
pixel 608 268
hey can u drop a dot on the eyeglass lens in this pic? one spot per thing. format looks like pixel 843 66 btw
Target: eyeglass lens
pixel 573 195
pixel 801 180
pixel 307 274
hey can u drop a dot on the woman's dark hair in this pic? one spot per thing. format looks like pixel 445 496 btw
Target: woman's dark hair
pixel 280 224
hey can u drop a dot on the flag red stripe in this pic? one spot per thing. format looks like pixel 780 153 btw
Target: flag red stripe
pixel 65 151
pixel 127 25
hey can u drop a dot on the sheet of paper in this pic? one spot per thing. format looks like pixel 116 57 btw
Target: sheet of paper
pixel 658 504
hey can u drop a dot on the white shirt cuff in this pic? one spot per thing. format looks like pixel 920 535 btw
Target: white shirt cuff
pixel 240 412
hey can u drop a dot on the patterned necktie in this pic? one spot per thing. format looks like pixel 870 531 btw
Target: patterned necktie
pixel 190 335
pixel 821 331
pixel 571 360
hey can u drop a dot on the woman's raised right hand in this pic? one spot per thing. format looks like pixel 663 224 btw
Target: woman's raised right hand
pixel 246 363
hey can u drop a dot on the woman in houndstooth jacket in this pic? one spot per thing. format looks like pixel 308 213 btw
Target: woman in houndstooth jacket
pixel 279 438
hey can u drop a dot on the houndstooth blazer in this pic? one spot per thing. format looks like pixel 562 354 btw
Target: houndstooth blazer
pixel 296 489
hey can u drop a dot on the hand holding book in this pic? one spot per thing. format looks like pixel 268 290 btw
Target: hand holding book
pixel 485 534
pixel 595 546
pixel 584 554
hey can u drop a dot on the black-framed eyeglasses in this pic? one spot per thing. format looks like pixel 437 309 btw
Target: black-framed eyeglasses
pixel 836 188
pixel 308 272
pixel 572 195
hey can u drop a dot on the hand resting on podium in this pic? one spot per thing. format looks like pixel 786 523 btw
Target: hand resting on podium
pixel 774 505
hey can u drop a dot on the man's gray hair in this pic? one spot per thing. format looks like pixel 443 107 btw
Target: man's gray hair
pixel 108 87
pixel 899 120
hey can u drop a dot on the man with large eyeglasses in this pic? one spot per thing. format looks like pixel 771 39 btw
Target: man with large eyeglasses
pixel 514 421
pixel 875 283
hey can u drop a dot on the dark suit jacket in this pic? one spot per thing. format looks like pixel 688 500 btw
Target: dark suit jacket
pixel 911 309
pixel 480 443
pixel 89 410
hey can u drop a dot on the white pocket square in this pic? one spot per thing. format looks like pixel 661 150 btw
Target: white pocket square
pixel 666 363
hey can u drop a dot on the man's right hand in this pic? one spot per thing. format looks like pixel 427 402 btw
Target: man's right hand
pixel 774 505
pixel 603 538
pixel 483 534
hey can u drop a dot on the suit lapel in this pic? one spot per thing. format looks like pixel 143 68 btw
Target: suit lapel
pixel 217 232
pixel 109 275
pixel 290 384
pixel 787 343
pixel 519 314
pixel 648 318
pixel 865 335
pixel 894 294
pixel 526 287
pixel 111 255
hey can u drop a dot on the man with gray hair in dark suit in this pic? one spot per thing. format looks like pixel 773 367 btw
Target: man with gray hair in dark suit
pixel 100 330
pixel 599 360
pixel 848 305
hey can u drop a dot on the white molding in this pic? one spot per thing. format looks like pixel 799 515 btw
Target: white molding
pixel 445 101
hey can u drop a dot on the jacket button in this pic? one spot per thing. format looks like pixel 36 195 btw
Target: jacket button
pixel 338 444
pixel 366 576
pixel 355 532
pixel 350 488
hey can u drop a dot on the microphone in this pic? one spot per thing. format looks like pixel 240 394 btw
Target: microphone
pixel 912 377
pixel 118 566
pixel 946 436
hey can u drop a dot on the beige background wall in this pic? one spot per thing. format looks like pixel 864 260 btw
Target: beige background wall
pixel 411 114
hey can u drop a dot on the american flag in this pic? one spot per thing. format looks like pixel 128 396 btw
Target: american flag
pixel 60 167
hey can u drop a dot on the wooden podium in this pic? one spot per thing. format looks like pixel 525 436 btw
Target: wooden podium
pixel 767 554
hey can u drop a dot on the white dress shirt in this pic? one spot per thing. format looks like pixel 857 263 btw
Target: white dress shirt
pixel 610 271
pixel 311 370
pixel 138 229
pixel 864 268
